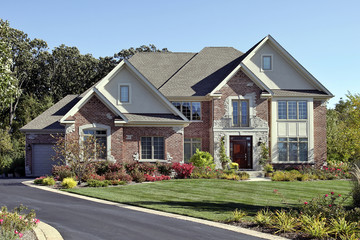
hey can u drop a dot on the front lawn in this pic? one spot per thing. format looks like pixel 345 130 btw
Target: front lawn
pixel 215 199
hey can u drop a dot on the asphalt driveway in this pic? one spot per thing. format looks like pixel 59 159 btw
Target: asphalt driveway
pixel 81 219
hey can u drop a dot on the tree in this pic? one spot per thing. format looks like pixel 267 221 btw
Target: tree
pixel 224 159
pixel 8 83
pixel 79 155
pixel 343 129
pixel 128 53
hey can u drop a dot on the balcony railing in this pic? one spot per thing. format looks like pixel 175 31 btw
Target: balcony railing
pixel 233 121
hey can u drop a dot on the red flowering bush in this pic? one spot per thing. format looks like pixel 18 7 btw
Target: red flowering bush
pixel 61 172
pixel 183 170
pixel 119 175
pixel 93 176
pixel 150 178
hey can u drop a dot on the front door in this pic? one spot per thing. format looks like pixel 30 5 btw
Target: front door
pixel 241 151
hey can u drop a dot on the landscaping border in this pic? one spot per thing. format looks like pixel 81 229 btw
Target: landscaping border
pixel 165 214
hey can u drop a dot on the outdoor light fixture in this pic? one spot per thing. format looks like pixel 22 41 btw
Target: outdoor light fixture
pixel 28 147
pixel 260 141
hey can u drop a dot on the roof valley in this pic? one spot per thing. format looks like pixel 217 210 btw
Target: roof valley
pixel 178 70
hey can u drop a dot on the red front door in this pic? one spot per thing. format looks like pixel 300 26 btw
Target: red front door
pixel 241 151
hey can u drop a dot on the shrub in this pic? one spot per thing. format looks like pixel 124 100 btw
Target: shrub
pixel 164 168
pixel 48 181
pixel 150 178
pixel 89 176
pixel 315 225
pixel 234 166
pixel 120 175
pixel 224 159
pixel 356 187
pixel 329 205
pixel 244 175
pixel 283 221
pixel 39 180
pixel 61 172
pixel 138 176
pixel 206 172
pixel 183 170
pixel 68 183
pixel 147 168
pixel 202 159
pixel 263 217
pixel 117 182
pixel 268 168
pixel 14 223
pixel 278 176
pixel 97 183
pixel 102 167
pixel 230 176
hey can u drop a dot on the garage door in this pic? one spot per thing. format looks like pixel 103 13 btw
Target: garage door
pixel 42 162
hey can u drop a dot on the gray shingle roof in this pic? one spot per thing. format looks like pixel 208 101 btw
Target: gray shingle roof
pixel 150 117
pixel 298 93
pixel 159 67
pixel 49 120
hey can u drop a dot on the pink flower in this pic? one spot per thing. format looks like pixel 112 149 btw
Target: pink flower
pixel 20 235
pixel 1 221
pixel 332 193
pixel 16 232
pixel 326 195
pixel 20 217
pixel 305 203
pixel 275 190
pixel 339 195
pixel 37 221
pixel 330 205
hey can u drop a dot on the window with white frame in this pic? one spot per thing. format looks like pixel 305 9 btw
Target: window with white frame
pixel 293 110
pixel 191 110
pixel 293 149
pixel 152 148
pixel 190 146
pixel 240 113
pixel 100 139
pixel 124 93
pixel 266 63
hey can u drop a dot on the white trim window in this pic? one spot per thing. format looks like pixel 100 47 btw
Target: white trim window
pixel 293 149
pixel 266 63
pixel 191 110
pixel 100 136
pixel 292 110
pixel 124 93
pixel 152 148
pixel 190 146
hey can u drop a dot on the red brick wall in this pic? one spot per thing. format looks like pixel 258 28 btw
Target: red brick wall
pixel 202 128
pixel 174 143
pixel 37 139
pixel 240 84
pixel 320 150
pixel 94 111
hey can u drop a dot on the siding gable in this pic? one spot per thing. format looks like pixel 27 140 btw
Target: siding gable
pixel 283 74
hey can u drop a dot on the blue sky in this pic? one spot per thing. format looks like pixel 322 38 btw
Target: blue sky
pixel 323 35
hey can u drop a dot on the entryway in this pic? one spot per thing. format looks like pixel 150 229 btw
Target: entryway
pixel 241 151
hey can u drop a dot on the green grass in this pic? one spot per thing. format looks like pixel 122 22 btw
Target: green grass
pixel 215 199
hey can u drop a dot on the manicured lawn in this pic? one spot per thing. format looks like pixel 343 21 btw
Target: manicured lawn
pixel 215 199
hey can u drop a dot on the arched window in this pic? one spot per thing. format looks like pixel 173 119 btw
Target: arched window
pixel 101 143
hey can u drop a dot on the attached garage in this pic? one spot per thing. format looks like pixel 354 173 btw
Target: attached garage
pixel 42 159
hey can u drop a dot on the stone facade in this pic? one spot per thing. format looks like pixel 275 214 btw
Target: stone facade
pixel 241 87
pixel 320 149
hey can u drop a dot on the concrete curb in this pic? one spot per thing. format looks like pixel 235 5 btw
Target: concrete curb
pixel 172 215
pixel 44 231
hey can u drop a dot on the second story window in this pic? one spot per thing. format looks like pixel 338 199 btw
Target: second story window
pixel 124 93
pixel 191 110
pixel 292 110
pixel 266 63
pixel 240 113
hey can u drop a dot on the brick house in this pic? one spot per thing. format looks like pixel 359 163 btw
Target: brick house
pixel 162 106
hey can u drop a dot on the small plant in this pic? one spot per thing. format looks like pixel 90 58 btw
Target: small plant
pixel 164 168
pixel 68 183
pixel 39 180
pixel 234 166
pixel 61 172
pixel 150 178
pixel 48 181
pixel 14 223
pixel 268 168
pixel 344 229
pixel 244 175
pixel 237 215
pixel 264 155
pixel 263 217
pixel 138 176
pixel 230 176
pixel 224 159
pixel 202 159
pixel 315 225
pixel 284 221
pixel 183 170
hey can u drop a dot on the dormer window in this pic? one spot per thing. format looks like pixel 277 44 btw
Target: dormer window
pixel 124 93
pixel 266 63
